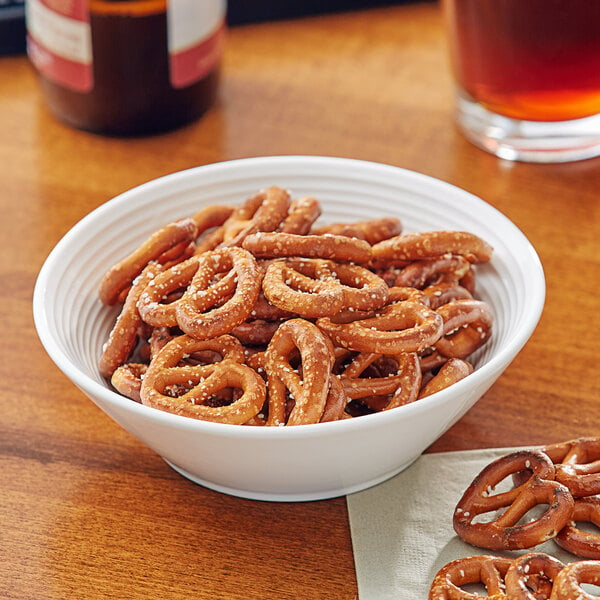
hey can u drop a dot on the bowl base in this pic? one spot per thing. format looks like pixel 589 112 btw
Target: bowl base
pixel 291 496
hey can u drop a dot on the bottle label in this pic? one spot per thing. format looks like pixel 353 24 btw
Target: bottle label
pixel 195 34
pixel 59 40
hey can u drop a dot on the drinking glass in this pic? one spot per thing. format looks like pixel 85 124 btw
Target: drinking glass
pixel 527 74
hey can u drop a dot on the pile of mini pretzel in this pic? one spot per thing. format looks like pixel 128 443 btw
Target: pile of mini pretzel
pixel 257 315
pixel 554 495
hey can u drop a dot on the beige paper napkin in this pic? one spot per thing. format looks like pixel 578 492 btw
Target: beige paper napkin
pixel 402 529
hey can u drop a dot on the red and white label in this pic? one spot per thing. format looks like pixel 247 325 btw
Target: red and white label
pixel 195 33
pixel 60 41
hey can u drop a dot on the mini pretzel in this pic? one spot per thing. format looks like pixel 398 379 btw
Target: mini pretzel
pixel 255 332
pixel 430 271
pixel 303 287
pixel 316 287
pixel 153 310
pixel 308 383
pixel 211 216
pixel 430 244
pixel 176 254
pixel 401 387
pixel 576 540
pixel 487 570
pixel 399 327
pixel 443 293
pixel 124 334
pixel 186 390
pixel 568 583
pixel 335 247
pixel 262 212
pixel 336 402
pixel 209 221
pixel 120 276
pixel 453 370
pixel 372 230
pixel 577 464
pixel 266 311
pixel 531 576
pixel 467 326
pixel 127 380
pixel 394 295
pixel 303 213
pixel 361 288
pixel 203 312
pixel 504 532
pixel 431 360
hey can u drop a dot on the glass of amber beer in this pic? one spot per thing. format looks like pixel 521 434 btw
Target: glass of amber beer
pixel 528 76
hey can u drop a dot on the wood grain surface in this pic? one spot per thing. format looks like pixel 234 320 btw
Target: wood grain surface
pixel 87 511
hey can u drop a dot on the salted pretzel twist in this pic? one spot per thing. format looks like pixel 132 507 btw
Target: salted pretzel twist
pixel 577 540
pixel 334 247
pixel 399 327
pixel 301 216
pixel 432 244
pixel 431 271
pixel 127 379
pixel 125 332
pixel 453 370
pixel 504 532
pixel 577 465
pixel 371 230
pixel 187 389
pixel 308 382
pixel 204 312
pixel 119 277
pixel 569 582
pixel 396 388
pixel 263 211
pixel 303 287
pixel 467 326
pixel 487 570
pixel 159 299
pixel 531 576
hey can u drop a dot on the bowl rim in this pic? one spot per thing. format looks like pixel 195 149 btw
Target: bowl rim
pixel 178 179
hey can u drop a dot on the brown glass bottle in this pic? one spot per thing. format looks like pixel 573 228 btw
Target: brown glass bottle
pixel 131 91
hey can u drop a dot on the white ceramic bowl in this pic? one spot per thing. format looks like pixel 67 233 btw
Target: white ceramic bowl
pixel 306 462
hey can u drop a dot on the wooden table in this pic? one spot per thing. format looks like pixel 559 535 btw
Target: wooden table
pixel 86 511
